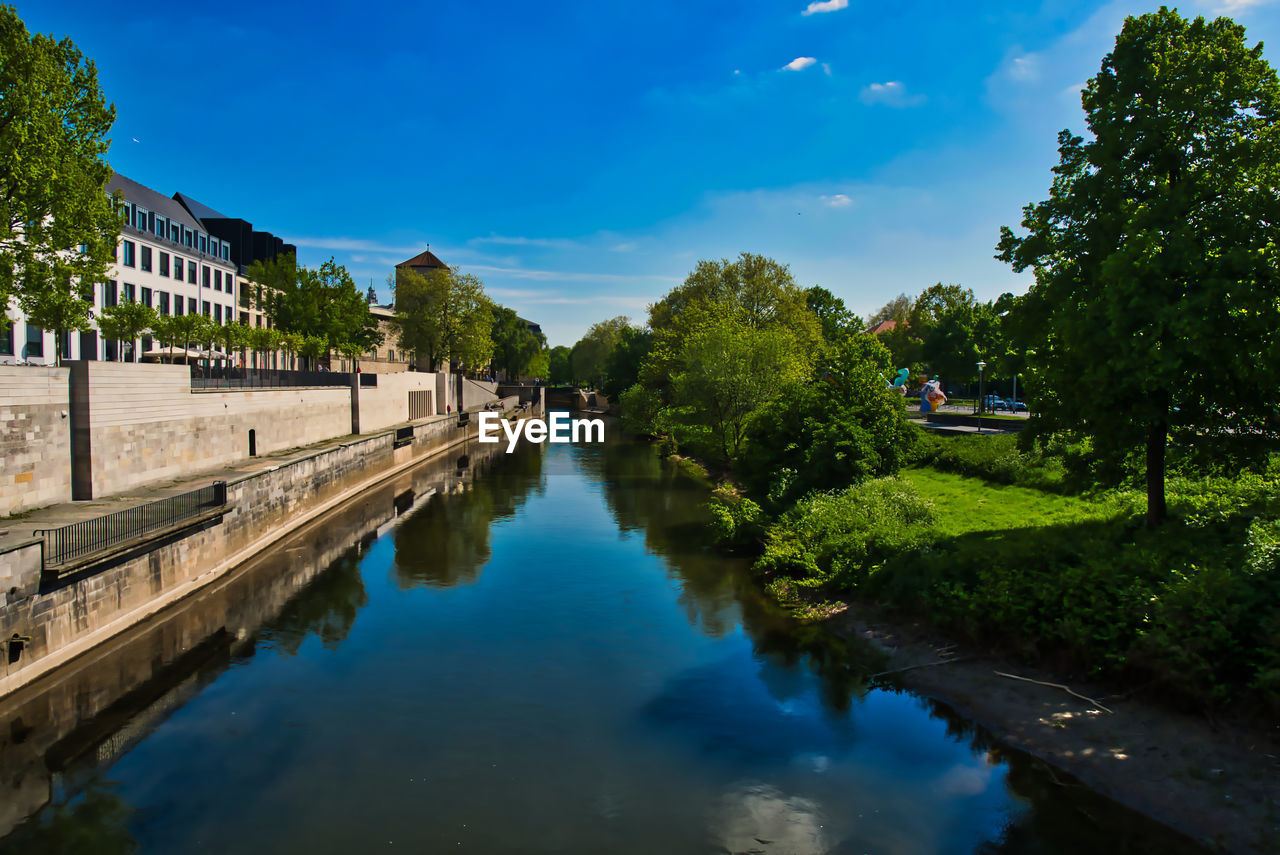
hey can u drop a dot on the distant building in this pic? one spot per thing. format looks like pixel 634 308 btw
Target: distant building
pixel 883 326
pixel 386 357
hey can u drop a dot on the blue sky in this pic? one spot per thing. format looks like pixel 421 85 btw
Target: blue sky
pixel 580 157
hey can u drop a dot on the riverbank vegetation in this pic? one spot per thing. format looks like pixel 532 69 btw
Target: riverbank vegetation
pixel 1132 532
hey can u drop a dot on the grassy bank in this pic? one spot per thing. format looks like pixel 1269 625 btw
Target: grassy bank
pixel 1016 560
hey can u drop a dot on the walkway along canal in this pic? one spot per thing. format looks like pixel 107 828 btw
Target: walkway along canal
pixel 534 652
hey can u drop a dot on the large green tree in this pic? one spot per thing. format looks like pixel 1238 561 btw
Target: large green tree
pixel 58 229
pixel 443 314
pixel 323 302
pixel 516 347
pixel 127 321
pixel 833 315
pixel 590 355
pixel 1155 311
pixel 560 368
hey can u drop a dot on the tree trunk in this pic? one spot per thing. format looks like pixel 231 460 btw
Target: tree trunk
pixel 1157 437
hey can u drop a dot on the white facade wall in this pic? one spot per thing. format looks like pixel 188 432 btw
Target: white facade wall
pixel 139 243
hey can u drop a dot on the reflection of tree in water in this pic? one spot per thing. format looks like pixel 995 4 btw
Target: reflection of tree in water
pixel 327 606
pixel 446 541
pixel 96 823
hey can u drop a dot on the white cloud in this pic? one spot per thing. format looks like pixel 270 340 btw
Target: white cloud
pixel 826 68
pixel 345 244
pixel 542 243
pixel 892 93
pixel 800 63
pixel 567 275
pixel 1241 5
pixel 817 8
pixel 625 246
pixel 839 200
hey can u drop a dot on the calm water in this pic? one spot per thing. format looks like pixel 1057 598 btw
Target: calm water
pixel 541 657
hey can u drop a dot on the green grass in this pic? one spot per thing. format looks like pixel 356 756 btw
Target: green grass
pixel 963 505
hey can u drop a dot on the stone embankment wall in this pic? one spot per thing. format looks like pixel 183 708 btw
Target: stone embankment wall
pixel 379 407
pixel 35 438
pixel 143 424
pixel 68 620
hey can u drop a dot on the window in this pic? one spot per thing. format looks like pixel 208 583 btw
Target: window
pixel 177 267
pixel 175 233
pixel 151 222
pixel 145 265
pixel 177 305
pixel 217 314
pixel 128 292
pixel 146 297
pixel 162 302
pixel 161 228
pixel 191 305
pixel 164 264
pixel 109 296
pixel 204 244
pixel 127 261
pixel 191 272
pixel 204 275
pixel 110 349
pixel 226 252
pixel 65 344
pixel 88 345
pixel 6 340
pixel 186 237
pixel 217 280
pixel 35 342
pixel 204 307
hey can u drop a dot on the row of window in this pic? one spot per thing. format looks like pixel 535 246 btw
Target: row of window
pixel 209 276
pixel 112 294
pixel 171 230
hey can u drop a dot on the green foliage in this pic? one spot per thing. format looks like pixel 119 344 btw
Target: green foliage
pixel 1155 312
pixel 589 357
pixel 897 310
pixel 736 521
pixel 622 368
pixel 727 371
pixel 643 411
pixel 838 427
pixel 444 314
pixel 834 317
pixel 126 321
pixel 322 302
pixel 839 538
pixel 997 459
pixel 58 227
pixel 560 369
pixel 516 347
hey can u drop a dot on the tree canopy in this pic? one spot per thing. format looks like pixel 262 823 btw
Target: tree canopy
pixel 1156 305
pixel 443 314
pixel 516 347
pixel 58 228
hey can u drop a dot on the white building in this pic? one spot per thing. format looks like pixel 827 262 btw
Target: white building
pixel 166 259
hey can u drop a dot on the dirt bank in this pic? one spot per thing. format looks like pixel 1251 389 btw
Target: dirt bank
pixel 1215 781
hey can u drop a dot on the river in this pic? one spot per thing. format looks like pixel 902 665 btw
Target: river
pixel 532 653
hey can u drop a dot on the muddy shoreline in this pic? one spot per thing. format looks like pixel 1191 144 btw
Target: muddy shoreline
pixel 1216 782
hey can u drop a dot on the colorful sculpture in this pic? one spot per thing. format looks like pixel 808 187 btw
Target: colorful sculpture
pixel 931 397
pixel 899 381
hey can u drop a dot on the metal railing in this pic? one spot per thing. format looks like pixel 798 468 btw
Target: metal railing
pixel 270 378
pixel 65 544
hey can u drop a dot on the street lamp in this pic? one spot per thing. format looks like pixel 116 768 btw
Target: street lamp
pixel 981 402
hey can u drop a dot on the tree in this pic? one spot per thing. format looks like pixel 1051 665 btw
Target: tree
pixel 959 337
pixel 515 345
pixel 837 427
pixel 729 369
pixel 322 302
pixel 622 366
pixel 126 321
pixel 897 310
pixel 58 227
pixel 1155 309
pixel 591 353
pixel 834 317
pixel 560 369
pixel 443 314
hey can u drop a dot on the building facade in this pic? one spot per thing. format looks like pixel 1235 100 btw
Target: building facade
pixel 166 259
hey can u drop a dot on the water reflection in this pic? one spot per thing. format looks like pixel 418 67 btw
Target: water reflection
pixel 446 542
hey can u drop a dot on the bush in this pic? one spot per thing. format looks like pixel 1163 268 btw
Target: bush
pixel 736 521
pixel 837 538
pixel 996 458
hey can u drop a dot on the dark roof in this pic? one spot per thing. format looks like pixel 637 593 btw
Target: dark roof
pixel 883 326
pixel 203 212
pixel 151 200
pixel 424 259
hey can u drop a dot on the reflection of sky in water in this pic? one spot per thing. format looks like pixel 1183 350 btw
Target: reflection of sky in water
pixel 883 777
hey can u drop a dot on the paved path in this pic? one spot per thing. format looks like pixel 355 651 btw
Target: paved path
pixel 21 527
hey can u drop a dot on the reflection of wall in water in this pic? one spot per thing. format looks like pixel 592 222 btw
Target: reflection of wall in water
pixel 97 707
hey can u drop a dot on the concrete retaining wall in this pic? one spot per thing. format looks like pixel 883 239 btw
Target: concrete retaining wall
pixel 388 403
pixel 35 438
pixel 141 424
